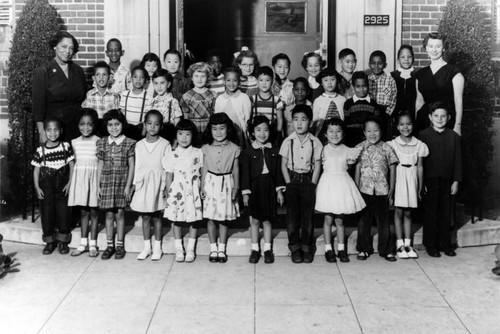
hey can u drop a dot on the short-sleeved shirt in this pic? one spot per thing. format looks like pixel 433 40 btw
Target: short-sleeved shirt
pixel 219 157
pixel 301 154
pixel 101 103
pixel 168 106
pixel 120 80
pixel 267 107
pixel 375 160
pixel 53 157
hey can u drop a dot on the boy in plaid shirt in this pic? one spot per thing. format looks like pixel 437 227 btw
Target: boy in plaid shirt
pixel 382 88
pixel 101 98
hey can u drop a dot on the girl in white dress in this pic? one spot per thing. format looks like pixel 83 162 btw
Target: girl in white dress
pixel 337 194
pixel 184 207
pixel 150 182
pixel 84 181
pixel 409 182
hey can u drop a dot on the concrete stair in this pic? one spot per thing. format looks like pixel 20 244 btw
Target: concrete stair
pixel 481 233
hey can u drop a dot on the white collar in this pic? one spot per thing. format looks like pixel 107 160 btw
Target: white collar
pixel 116 141
pixel 412 142
pixel 330 96
pixel 405 74
pixel 256 145
pixel 356 99
pixel 312 82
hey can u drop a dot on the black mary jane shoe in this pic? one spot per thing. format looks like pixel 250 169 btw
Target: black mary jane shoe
pixel 108 253
pixel 49 248
pixel 390 257
pixel 222 257
pixel 254 257
pixel 268 257
pixel 213 257
pixel 330 256
pixel 342 255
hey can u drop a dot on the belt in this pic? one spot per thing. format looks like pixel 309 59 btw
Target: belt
pixel 407 165
pixel 300 177
pixel 223 176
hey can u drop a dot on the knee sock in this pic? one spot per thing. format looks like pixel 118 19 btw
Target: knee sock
pixel 191 244
pixel 341 247
pixel 267 246
pixel 407 242
pixel 328 247
pixel 255 247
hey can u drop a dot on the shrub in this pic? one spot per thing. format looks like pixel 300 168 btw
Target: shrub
pixel 37 22
pixel 463 24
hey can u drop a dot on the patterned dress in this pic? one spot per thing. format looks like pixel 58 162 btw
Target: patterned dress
pixel 184 200
pixel 149 177
pixel 219 159
pixel 84 182
pixel 198 107
pixel 115 171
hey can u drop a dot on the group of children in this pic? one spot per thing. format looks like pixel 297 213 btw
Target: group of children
pixel 266 141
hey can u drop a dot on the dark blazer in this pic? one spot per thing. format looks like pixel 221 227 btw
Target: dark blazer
pixel 252 162
pixel 58 96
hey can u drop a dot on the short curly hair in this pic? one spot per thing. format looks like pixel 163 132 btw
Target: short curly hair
pixel 114 114
pixel 59 36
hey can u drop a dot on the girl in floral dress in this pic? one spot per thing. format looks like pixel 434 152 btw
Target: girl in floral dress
pixel 183 166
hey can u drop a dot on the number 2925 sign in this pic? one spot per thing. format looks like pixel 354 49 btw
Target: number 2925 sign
pixel 376 20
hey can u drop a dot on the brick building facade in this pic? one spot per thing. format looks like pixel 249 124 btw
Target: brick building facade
pixel 85 19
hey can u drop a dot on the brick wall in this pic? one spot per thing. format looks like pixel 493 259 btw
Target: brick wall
pixel 82 18
pixel 421 17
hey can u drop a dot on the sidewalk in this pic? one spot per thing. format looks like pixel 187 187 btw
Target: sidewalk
pixel 62 294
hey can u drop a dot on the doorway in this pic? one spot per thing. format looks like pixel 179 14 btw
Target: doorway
pixel 227 25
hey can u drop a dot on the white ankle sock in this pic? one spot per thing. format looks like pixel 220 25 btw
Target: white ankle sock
pixel 178 243
pixel 147 244
pixel 84 241
pixel 157 243
pixel 267 246
pixel 255 247
pixel 93 243
pixel 222 247
pixel 399 243
pixel 191 243
pixel 213 247
pixel 328 247
pixel 407 242
pixel 341 247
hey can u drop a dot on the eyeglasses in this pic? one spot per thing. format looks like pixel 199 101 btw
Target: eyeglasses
pixel 247 65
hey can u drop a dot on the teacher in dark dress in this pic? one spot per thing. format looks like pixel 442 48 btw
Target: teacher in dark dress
pixel 59 87
pixel 439 81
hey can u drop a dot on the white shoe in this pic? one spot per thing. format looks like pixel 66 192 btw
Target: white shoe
pixel 411 252
pixel 190 256
pixel 144 254
pixel 179 255
pixel 157 253
pixel 402 254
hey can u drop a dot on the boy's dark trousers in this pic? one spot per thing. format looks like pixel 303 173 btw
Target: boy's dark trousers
pixel 376 207
pixel 437 209
pixel 300 197
pixel 55 213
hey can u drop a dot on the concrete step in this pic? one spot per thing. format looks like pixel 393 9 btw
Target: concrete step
pixel 481 233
